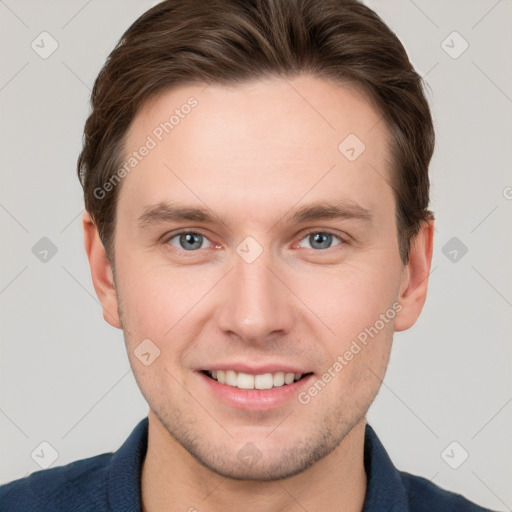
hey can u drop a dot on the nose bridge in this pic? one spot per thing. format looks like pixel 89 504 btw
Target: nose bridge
pixel 255 303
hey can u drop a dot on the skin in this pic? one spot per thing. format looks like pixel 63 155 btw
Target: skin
pixel 252 153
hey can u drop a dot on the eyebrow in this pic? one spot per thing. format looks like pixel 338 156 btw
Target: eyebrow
pixel 340 210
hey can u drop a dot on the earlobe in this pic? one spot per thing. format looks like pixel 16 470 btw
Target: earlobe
pixel 101 271
pixel 413 289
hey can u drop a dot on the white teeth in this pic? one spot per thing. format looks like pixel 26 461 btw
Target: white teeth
pixel 247 381
pixel 278 379
pixel 289 378
pixel 264 381
pixel 231 378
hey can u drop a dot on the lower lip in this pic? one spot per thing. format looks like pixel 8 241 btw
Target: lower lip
pixel 255 399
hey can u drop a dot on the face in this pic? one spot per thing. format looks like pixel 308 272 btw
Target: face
pixel 293 254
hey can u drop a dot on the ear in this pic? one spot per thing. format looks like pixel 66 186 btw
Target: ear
pixel 101 271
pixel 413 287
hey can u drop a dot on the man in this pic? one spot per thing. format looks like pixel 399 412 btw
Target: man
pixel 256 187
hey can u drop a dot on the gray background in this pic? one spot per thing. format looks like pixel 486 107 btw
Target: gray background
pixel 65 377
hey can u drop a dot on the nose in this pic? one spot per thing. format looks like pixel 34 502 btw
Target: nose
pixel 256 305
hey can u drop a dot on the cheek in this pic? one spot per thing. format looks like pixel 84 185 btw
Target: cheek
pixel 155 307
pixel 145 303
pixel 351 298
pixel 158 301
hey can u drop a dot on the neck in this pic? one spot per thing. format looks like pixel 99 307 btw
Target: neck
pixel 173 480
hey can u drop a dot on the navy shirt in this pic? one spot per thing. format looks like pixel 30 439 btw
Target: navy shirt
pixel 111 482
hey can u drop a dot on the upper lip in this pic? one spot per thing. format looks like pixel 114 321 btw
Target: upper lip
pixel 256 369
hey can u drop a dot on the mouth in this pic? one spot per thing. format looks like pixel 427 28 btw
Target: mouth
pixel 262 381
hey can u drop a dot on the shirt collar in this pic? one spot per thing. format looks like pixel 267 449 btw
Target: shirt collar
pixel 125 470
pixel 384 493
pixel 385 490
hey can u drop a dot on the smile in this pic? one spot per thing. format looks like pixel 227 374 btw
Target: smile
pixel 243 380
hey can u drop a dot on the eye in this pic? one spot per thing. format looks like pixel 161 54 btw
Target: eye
pixel 191 241
pixel 187 240
pixel 320 240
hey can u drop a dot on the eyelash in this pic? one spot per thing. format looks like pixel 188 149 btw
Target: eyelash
pixel 167 239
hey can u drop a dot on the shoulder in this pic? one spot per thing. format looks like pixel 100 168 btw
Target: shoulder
pixel 78 486
pixel 391 489
pixel 425 496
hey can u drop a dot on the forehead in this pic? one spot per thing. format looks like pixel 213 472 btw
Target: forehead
pixel 261 143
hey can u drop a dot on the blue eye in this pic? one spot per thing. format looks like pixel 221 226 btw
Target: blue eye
pixel 188 240
pixel 321 240
pixel 191 241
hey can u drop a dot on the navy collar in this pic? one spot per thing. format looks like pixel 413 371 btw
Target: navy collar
pixel 125 469
pixel 385 489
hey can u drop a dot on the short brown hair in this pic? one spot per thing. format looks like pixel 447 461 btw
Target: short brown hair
pixel 226 42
